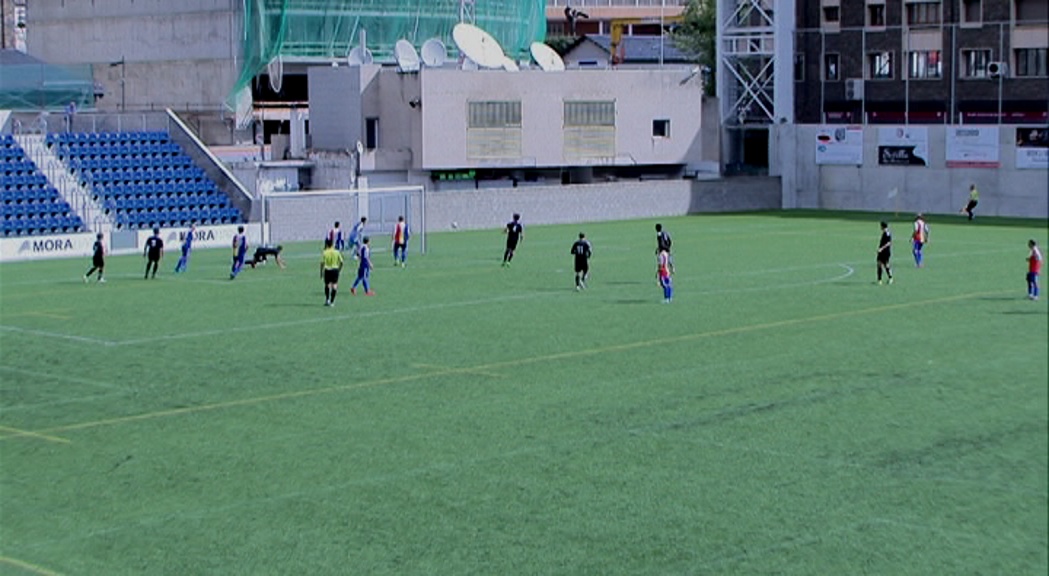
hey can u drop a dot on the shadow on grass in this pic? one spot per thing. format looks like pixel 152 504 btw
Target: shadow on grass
pixel 632 301
pixel 1041 312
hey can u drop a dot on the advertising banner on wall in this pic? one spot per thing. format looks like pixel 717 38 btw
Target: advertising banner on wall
pixel 839 145
pixel 972 147
pixel 1032 148
pixel 220 236
pixel 903 146
pixel 39 247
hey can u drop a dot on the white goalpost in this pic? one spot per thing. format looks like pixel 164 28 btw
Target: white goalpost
pixel 308 215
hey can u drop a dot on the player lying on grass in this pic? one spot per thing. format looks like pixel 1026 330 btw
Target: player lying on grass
pixel 262 253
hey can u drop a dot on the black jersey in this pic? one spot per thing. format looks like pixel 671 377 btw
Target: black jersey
pixel 98 250
pixel 581 250
pixel 663 241
pixel 513 232
pixel 885 244
pixel 154 246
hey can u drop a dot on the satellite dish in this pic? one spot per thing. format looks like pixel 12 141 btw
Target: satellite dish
pixel 406 56
pixel 546 57
pixel 478 45
pixel 509 65
pixel 434 53
pixel 359 56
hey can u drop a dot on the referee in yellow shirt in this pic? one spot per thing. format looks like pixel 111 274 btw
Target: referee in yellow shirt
pixel 331 264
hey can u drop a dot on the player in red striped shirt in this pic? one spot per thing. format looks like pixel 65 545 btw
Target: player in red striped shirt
pixel 663 273
pixel 400 241
pixel 1034 268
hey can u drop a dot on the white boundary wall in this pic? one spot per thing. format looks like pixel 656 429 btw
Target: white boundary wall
pixel 79 245
pixel 1004 190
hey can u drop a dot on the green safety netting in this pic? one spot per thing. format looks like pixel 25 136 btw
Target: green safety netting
pixel 30 84
pixel 330 28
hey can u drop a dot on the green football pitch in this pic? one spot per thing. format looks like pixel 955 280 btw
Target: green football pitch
pixel 784 414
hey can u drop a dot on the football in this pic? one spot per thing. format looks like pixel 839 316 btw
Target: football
pixel 455 225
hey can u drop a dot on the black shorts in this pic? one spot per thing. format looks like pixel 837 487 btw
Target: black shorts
pixel 98 261
pixel 582 266
pixel 972 204
pixel 331 276
pixel 883 257
pixel 511 244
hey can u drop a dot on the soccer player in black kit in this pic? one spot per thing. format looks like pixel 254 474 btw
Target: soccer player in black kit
pixel 885 252
pixel 514 233
pixel 98 259
pixel 153 252
pixel 581 250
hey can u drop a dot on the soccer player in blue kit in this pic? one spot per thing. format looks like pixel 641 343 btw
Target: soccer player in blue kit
pixel 364 268
pixel 187 248
pixel 240 251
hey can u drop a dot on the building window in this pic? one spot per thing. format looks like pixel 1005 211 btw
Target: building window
pixel 972 11
pixel 876 15
pixel 799 67
pixel 371 133
pixel 1034 11
pixel 925 64
pixel 879 66
pixel 832 15
pixel 494 115
pixel 661 128
pixel 590 113
pixel 831 68
pixel 1032 62
pixel 975 62
pixel 923 13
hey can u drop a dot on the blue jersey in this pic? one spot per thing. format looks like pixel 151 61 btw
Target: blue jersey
pixel 366 258
pixel 356 232
pixel 187 244
pixel 241 242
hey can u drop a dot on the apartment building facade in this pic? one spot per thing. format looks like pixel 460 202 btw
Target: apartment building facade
pixel 922 61
pixel 585 17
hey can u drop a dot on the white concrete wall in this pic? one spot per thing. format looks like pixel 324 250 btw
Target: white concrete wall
pixel 181 54
pixel 641 96
pixel 1004 191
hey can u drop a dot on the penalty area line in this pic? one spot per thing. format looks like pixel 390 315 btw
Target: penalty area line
pixel 493 367
pixel 27 566
pixel 27 434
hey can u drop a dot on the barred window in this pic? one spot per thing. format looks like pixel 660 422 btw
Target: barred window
pixel 590 113
pixel 494 114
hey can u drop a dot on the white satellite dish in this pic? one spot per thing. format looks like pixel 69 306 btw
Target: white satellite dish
pixel 406 56
pixel 359 56
pixel 509 65
pixel 434 53
pixel 546 57
pixel 478 45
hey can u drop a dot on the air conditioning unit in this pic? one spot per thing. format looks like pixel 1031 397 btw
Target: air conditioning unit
pixel 854 88
pixel 996 69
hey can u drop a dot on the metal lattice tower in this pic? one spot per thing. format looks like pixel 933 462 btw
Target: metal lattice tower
pixel 468 11
pixel 755 40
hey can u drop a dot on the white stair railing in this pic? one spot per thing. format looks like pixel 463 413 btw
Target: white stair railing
pixel 78 196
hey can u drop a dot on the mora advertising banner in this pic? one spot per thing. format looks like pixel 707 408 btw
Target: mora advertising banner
pixel 1032 148
pixel 841 145
pixel 903 146
pixel 972 147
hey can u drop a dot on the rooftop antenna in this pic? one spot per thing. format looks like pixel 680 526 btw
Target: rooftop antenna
pixel 360 54
pixel 546 57
pixel 479 46
pixel 434 53
pixel 406 56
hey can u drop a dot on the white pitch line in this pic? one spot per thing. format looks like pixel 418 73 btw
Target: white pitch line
pixel 308 321
pixel 78 400
pixel 60 336
pixel 63 378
